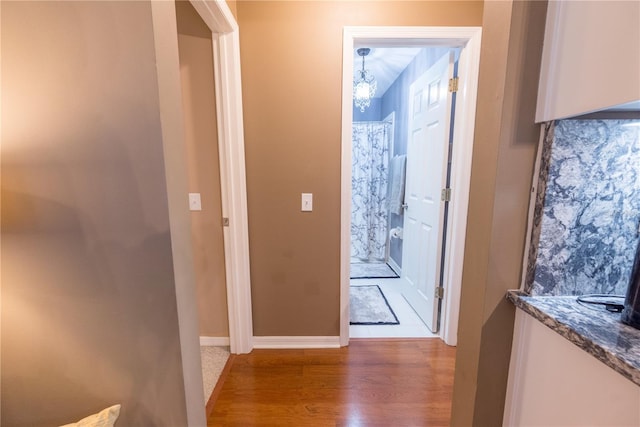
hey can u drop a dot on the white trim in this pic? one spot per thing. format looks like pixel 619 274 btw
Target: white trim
pixel 468 39
pixel 391 117
pixel 296 342
pixel 216 14
pixel 345 173
pixel 463 135
pixel 228 88
pixel 214 341
pixel 394 266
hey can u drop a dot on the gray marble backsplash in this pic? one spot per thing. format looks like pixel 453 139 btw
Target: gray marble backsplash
pixel 588 221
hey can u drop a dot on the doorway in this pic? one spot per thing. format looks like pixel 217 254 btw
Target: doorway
pixel 382 148
pixel 467 40
pixel 195 49
pixel 223 27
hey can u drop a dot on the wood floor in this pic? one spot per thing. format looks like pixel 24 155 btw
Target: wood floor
pixel 394 382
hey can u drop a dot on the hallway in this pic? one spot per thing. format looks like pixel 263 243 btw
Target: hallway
pixel 369 383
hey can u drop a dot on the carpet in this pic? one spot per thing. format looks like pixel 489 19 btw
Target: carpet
pixel 369 270
pixel 368 306
pixel 213 361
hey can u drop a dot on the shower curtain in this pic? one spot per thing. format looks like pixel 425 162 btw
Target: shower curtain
pixel 369 179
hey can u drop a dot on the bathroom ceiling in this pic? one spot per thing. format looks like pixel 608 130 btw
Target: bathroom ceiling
pixel 629 106
pixel 386 64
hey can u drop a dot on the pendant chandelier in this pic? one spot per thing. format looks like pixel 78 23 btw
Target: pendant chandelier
pixel 364 84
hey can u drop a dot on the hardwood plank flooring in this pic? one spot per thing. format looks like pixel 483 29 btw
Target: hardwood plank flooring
pixel 386 382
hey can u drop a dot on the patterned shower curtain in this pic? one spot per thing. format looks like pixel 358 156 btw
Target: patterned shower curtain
pixel 369 203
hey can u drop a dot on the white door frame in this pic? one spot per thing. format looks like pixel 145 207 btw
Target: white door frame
pixel 228 88
pixel 226 55
pixel 468 39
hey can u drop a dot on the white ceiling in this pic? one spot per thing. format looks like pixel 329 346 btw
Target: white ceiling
pixel 629 106
pixel 386 64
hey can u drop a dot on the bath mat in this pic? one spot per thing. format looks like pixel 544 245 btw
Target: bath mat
pixel 368 306
pixel 369 270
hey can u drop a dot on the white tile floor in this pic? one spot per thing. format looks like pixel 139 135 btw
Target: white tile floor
pixel 410 324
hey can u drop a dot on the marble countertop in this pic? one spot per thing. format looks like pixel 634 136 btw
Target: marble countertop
pixel 592 328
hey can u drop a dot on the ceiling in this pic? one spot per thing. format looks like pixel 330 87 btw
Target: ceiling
pixel 629 106
pixel 386 64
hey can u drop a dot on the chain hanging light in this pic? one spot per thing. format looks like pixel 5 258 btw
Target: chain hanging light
pixel 364 84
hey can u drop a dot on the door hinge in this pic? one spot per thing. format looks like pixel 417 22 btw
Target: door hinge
pixel 445 195
pixel 453 84
pixel 439 292
pixel 225 222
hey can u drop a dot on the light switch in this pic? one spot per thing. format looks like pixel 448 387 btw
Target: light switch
pixel 194 202
pixel 307 202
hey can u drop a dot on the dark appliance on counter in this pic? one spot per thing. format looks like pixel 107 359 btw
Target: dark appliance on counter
pixel 631 311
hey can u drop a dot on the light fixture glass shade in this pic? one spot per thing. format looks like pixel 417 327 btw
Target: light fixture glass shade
pixel 364 88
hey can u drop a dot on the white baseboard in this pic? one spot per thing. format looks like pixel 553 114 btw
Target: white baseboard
pixel 296 342
pixel 215 341
pixel 394 266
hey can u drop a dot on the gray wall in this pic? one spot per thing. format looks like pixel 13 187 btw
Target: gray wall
pixel 88 297
pixel 370 114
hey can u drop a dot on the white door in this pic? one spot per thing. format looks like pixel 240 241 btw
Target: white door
pixel 427 156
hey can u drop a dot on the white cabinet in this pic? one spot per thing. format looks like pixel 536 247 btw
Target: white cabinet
pixel 590 58
pixel 552 382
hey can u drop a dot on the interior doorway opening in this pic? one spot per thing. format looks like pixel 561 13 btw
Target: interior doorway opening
pixel 389 155
pixel 424 264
